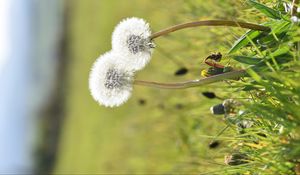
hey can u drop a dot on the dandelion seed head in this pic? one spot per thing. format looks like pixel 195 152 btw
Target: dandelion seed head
pixel 218 109
pixel 114 79
pixel 131 38
pixel 110 82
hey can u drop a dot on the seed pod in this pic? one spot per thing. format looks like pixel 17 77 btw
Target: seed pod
pixel 218 109
pixel 230 105
pixel 210 95
pixel 214 144
pixel 181 71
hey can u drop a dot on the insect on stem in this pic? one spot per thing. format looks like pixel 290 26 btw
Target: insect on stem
pixel 192 83
pixel 209 23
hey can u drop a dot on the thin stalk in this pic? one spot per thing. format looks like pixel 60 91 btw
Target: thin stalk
pixel 209 23
pixel 192 83
pixel 294 7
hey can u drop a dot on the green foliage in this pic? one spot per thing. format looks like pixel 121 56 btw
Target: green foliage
pixel 274 103
pixel 244 40
pixel 265 10
pixel 247 60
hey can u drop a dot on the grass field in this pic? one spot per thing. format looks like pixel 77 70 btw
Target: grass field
pixel 171 131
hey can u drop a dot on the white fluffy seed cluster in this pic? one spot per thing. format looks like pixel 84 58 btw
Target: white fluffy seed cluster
pixel 131 38
pixel 111 76
pixel 110 81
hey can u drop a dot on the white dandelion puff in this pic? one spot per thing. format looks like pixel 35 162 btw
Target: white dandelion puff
pixel 131 38
pixel 110 82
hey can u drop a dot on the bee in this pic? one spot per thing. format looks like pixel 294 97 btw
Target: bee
pixel 215 68
pixel 212 59
pixel 215 56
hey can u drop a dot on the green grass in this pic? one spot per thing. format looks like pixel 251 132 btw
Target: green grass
pixel 171 132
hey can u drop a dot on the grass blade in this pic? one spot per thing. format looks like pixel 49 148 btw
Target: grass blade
pixel 265 10
pixel 247 60
pixel 243 41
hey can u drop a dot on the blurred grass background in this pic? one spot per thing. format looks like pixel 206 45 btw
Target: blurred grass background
pixel 149 133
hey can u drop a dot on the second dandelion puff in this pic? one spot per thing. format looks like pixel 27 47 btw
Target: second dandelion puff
pixel 131 38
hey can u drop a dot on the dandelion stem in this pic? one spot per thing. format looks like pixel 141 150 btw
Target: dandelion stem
pixel 192 83
pixel 209 23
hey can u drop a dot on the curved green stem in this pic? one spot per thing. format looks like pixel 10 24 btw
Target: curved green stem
pixel 192 83
pixel 209 23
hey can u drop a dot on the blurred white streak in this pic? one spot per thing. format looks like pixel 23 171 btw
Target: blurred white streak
pixel 5 45
pixel 29 34
pixel 14 120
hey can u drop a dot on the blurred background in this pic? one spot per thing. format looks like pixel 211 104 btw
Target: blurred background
pixel 49 123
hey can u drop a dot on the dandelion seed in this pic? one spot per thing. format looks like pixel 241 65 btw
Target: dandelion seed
pixel 131 38
pixel 110 82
